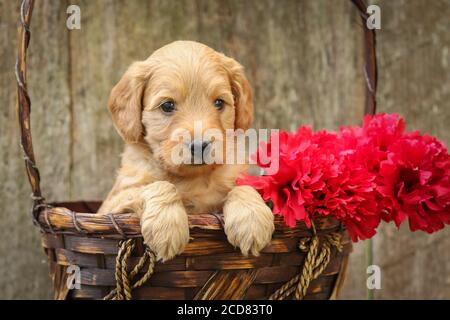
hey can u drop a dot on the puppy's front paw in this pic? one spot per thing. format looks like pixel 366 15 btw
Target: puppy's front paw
pixel 248 220
pixel 164 221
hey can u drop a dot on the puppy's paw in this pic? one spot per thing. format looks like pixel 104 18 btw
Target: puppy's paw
pixel 248 220
pixel 164 221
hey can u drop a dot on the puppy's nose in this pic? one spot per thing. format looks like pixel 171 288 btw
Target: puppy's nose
pixel 198 147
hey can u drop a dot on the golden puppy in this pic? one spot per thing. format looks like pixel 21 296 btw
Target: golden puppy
pixel 179 85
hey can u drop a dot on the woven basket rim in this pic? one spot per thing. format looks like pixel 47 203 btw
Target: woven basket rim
pixel 61 219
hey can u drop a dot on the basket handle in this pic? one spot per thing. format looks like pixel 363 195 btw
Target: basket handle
pixel 370 65
pixel 24 104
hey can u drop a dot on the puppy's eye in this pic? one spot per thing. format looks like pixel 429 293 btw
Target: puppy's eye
pixel 167 107
pixel 219 104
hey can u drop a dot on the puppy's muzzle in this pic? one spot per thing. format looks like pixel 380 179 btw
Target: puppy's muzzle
pixel 199 150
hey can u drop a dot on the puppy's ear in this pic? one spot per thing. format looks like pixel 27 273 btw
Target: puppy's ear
pixel 125 101
pixel 242 92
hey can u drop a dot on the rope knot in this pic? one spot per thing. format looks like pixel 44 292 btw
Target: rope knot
pixel 315 263
pixel 123 278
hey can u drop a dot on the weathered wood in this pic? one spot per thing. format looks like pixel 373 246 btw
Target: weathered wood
pixel 49 125
pixel 414 77
pixel 422 274
pixel 303 59
pixel 354 286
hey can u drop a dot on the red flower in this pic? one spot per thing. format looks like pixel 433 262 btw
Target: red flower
pixel 316 177
pixel 358 176
pixel 351 198
pixel 372 140
pixel 415 182
pixel 381 130
pixel 293 184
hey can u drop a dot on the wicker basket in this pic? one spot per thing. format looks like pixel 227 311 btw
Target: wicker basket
pixel 299 263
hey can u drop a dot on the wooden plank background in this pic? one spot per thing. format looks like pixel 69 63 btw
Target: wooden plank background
pixel 304 60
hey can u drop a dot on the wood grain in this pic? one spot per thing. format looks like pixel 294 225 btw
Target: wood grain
pixel 414 77
pixel 304 60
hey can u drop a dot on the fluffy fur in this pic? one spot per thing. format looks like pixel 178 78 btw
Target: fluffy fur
pixel 161 192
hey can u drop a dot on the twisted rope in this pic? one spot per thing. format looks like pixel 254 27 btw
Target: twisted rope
pixel 315 263
pixel 124 288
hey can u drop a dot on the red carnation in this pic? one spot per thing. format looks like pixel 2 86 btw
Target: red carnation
pixel 415 182
pixel 372 140
pixel 291 187
pixel 316 177
pixel 351 198
pixel 358 176
pixel 381 130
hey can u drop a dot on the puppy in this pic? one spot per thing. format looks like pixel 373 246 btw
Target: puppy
pixel 153 106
